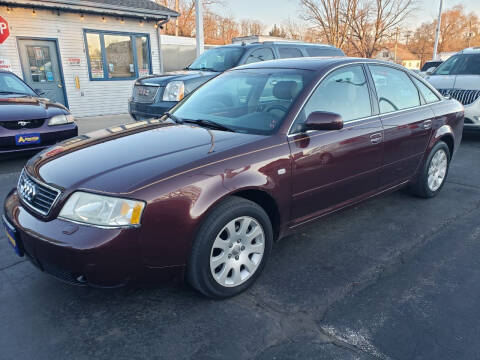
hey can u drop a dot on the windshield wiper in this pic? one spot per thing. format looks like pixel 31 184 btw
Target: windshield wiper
pixel 211 124
pixel 203 69
pixel 13 93
pixel 174 118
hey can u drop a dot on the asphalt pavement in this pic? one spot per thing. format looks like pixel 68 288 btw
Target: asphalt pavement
pixel 396 277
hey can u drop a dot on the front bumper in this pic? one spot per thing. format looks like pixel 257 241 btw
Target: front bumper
pixel 142 111
pixel 49 135
pixel 77 254
pixel 472 116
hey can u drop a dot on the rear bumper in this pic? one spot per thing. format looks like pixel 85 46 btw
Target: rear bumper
pixel 48 136
pixel 140 111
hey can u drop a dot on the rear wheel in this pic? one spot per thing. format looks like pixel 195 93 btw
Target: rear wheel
pixel 230 249
pixel 434 172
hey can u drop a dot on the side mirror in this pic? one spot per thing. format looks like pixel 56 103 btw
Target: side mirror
pixel 323 120
pixel 39 92
pixel 430 70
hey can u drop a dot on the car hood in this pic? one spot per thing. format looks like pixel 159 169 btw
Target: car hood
pixel 464 82
pixel 124 158
pixel 184 75
pixel 16 108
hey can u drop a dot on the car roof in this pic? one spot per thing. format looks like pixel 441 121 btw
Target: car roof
pixel 312 63
pixel 283 43
pixel 470 50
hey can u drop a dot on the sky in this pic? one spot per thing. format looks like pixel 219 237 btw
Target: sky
pixel 272 12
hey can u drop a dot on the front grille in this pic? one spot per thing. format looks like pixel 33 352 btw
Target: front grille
pixel 145 94
pixel 466 97
pixel 63 275
pixel 22 124
pixel 36 195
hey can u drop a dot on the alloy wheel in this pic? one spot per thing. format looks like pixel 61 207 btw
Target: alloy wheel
pixel 437 170
pixel 237 251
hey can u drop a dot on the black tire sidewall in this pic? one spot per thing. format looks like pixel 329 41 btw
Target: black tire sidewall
pixel 424 179
pixel 198 268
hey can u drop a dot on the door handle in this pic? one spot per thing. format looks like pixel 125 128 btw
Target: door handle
pixel 60 85
pixel 376 138
pixel 427 124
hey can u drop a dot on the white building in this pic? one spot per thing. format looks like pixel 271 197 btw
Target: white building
pixel 84 53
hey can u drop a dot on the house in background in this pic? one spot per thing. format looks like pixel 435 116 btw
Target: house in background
pixel 85 54
pixel 403 56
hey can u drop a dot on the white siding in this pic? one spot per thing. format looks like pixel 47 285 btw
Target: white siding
pixel 94 97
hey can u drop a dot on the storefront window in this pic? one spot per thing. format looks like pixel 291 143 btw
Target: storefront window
pixel 116 56
pixel 118 52
pixel 143 55
pixel 95 55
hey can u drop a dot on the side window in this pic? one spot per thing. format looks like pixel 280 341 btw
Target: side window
pixel 395 90
pixel 344 91
pixel 323 51
pixel 289 52
pixel 429 95
pixel 263 54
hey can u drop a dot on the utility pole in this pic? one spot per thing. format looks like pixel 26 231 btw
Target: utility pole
pixel 199 27
pixel 437 32
pixel 397 33
pixel 177 9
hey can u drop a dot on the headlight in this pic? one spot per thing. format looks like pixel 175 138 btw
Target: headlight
pixel 174 91
pixel 61 120
pixel 102 210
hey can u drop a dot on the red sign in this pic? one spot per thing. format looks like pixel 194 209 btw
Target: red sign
pixel 4 30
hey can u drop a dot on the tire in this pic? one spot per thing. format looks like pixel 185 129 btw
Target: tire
pixel 440 153
pixel 219 266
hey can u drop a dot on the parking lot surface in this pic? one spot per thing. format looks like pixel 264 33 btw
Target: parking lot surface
pixel 397 277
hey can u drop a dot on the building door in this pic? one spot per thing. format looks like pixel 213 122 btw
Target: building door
pixel 42 69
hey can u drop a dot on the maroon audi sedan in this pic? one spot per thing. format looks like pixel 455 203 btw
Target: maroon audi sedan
pixel 27 121
pixel 246 159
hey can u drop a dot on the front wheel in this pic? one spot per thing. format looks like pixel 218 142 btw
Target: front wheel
pixel 230 249
pixel 434 172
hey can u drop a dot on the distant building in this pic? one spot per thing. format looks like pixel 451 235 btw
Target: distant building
pixel 403 56
pixel 84 54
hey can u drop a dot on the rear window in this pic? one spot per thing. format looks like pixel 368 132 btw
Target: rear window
pixel 428 94
pixel 323 51
pixel 289 52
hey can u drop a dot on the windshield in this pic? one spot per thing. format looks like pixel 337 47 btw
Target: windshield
pixel 218 59
pixel 462 64
pixel 251 101
pixel 10 84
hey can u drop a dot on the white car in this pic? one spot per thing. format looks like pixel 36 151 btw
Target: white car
pixel 459 77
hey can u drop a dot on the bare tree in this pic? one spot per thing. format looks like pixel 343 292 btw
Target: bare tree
pixel 331 16
pixel 376 20
pixel 362 24
pixel 251 27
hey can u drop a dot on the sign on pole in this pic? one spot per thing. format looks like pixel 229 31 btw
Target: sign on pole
pixel 4 30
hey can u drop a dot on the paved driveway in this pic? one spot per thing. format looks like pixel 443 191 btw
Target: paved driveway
pixel 396 277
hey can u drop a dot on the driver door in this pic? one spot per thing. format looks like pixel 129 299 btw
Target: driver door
pixel 334 168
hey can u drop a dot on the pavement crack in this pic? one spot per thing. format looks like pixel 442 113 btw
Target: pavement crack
pixel 12 265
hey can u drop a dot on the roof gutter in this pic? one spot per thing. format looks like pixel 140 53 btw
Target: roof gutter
pixel 88 7
pixel 159 41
